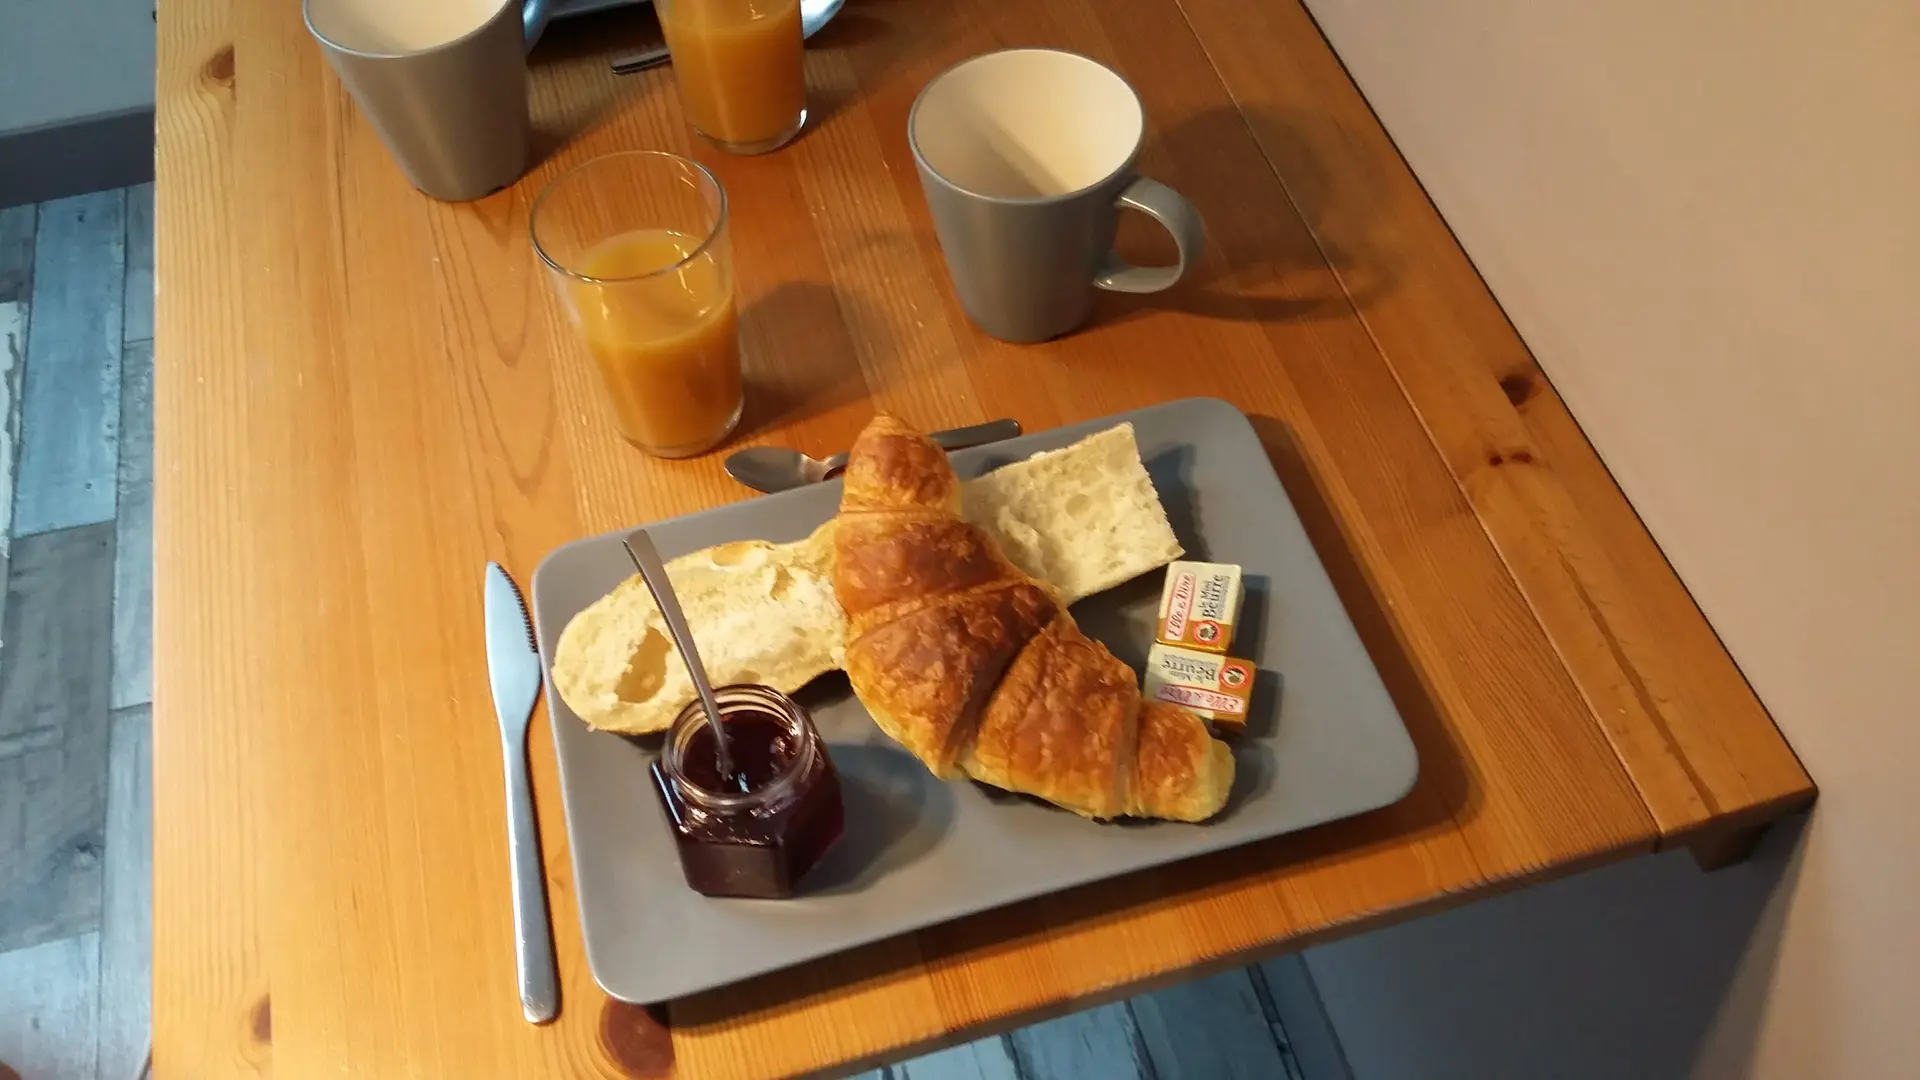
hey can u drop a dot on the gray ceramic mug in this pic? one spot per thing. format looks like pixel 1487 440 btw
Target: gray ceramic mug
pixel 1026 157
pixel 444 82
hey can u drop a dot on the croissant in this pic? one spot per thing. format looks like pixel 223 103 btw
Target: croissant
pixel 977 669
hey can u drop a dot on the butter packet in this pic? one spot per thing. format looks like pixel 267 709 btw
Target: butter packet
pixel 1198 606
pixel 1218 688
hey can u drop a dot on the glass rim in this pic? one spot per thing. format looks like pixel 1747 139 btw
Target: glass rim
pixel 333 42
pixel 1120 170
pixel 540 200
pixel 693 717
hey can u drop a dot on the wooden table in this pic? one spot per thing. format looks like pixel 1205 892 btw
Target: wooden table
pixel 363 395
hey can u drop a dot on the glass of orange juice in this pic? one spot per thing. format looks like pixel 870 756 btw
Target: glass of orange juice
pixel 738 66
pixel 636 245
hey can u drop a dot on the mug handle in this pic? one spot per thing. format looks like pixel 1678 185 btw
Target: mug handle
pixel 533 19
pixel 1177 216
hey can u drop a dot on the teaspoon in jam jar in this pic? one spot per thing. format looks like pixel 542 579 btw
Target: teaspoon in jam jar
pixel 756 828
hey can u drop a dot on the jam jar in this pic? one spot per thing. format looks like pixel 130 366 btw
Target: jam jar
pixel 757 831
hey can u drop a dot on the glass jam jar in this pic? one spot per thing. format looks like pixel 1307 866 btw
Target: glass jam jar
pixel 758 831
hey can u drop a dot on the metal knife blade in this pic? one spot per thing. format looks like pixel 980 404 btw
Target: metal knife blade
pixel 513 667
pixel 512 664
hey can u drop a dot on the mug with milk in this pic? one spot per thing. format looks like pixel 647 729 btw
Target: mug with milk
pixel 444 82
pixel 1026 157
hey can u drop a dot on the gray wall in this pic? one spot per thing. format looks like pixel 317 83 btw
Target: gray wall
pixel 76 96
pixel 1702 216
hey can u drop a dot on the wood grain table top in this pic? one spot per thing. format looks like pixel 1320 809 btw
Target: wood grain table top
pixel 362 395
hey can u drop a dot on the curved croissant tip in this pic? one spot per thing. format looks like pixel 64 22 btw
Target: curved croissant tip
pixel 885 423
pixel 894 464
pixel 886 427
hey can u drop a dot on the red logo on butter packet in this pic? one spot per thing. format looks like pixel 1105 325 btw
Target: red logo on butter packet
pixel 1234 675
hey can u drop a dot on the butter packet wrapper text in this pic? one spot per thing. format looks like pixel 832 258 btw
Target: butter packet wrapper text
pixel 1198 606
pixel 1218 688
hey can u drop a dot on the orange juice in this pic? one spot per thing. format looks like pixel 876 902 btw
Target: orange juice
pixel 667 343
pixel 738 64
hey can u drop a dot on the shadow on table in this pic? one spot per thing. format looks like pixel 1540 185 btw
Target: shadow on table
pixel 1263 265
pixel 797 362
pixel 855 29
pixel 585 44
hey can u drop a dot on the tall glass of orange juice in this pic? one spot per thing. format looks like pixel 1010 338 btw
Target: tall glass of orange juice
pixel 636 245
pixel 738 66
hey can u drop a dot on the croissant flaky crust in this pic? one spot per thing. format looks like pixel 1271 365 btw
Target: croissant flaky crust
pixel 978 670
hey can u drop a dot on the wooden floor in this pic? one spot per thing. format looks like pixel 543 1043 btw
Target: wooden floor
pixel 76 379
pixel 76 459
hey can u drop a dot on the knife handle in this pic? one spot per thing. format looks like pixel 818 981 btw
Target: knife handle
pixel 977 435
pixel 641 61
pixel 532 928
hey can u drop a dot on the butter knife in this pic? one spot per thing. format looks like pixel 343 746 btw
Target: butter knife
pixel 778 468
pixel 514 669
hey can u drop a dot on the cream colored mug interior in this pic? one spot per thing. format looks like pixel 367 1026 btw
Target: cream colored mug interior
pixel 397 27
pixel 1027 123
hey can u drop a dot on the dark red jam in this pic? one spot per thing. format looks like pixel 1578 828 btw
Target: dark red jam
pixel 756 830
pixel 762 745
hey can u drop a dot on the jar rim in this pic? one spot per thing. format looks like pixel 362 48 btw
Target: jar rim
pixel 693 717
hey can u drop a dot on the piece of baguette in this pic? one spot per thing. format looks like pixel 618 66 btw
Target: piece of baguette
pixel 760 613
pixel 1083 519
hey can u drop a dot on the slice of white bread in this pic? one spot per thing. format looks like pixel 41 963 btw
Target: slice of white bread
pixel 1084 519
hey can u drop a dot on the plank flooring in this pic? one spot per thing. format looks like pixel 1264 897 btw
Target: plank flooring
pixel 137 292
pixel 126 929
pixel 16 253
pixel 76 495
pixel 13 361
pixel 133 533
pixel 48 1009
pixel 1095 1042
pixel 70 392
pixel 54 728
pixel 1311 1041
pixel 76 505
pixel 1210 1028
pixel 983 1059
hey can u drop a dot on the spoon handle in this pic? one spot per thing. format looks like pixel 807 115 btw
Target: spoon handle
pixel 646 558
pixel 959 438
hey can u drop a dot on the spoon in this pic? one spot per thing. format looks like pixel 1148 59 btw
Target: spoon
pixel 814 14
pixel 646 559
pixel 778 468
